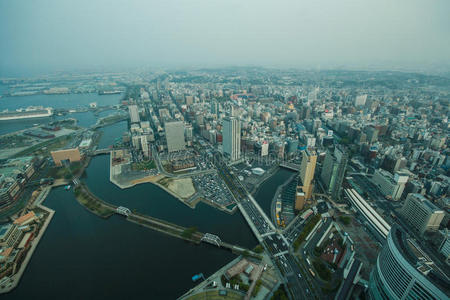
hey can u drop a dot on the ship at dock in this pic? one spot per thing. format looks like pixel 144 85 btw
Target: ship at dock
pixel 109 92
pixel 26 113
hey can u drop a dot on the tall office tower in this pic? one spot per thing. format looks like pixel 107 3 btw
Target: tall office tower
pixel 405 271
pixel 333 171
pixel 231 138
pixel 421 213
pixel 134 113
pixel 174 135
pixel 305 185
pixel 189 100
pixel 144 146
pixel 215 107
pixel 360 100
pixel 312 96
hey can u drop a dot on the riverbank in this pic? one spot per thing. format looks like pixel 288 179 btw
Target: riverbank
pixel 267 175
pixel 92 203
pixel 275 197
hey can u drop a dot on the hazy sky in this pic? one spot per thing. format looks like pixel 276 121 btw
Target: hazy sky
pixel 40 36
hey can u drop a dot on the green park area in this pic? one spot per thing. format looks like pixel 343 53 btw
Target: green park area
pixel 143 166
pixel 188 232
pixel 308 228
pixel 64 172
pixel 215 295
pixel 323 271
pixel 346 220
pixel 92 204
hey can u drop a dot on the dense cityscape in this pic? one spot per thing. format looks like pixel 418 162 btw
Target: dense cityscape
pixel 361 211
pixel 225 150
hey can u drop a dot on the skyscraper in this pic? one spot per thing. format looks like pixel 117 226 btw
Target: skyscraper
pixel 134 113
pixel 404 271
pixel 174 136
pixel 231 138
pixel 305 186
pixel 333 171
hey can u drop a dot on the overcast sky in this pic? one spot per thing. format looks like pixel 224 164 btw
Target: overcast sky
pixel 42 36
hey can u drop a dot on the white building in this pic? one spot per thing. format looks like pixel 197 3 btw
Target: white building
pixel 231 138
pixel 264 148
pixel 360 100
pixel 421 213
pixel 144 145
pixel 390 185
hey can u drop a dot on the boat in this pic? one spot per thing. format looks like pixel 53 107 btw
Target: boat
pixel 27 113
pixel 109 92
pixel 67 187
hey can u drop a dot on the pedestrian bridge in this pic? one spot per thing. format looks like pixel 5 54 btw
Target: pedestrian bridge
pixel 212 239
pixel 290 166
pixel 101 151
pixel 123 211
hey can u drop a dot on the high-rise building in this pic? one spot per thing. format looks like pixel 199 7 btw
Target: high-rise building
pixel 144 146
pixel 360 100
pixel 175 136
pixel 404 271
pixel 333 171
pixel 421 213
pixel 215 107
pixel 134 113
pixel 232 138
pixel 305 186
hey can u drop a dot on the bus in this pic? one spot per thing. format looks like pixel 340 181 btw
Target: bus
pixel 312 272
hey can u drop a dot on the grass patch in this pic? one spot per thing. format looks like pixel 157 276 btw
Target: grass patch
pixel 322 270
pixel 92 204
pixel 346 220
pixel 143 166
pixel 65 172
pixel 258 249
pixel 188 232
pixel 44 148
pixel 279 294
pixel 308 228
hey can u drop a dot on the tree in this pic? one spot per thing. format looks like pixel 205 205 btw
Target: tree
pixel 258 249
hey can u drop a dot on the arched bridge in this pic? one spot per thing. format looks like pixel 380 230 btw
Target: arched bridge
pixel 123 211
pixel 212 239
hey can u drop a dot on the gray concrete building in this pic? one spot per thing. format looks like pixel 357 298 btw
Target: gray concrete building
pixel 175 136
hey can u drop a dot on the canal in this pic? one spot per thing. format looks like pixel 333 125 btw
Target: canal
pixel 82 256
pixel 266 192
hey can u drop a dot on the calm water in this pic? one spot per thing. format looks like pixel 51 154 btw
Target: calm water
pixel 82 256
pixel 58 101
pixel 152 200
pixel 110 134
pixel 85 119
pixel 266 192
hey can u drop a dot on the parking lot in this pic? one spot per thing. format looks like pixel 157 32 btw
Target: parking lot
pixel 213 189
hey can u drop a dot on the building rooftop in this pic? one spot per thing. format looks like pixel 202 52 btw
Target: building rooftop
pixel 418 259
pixel 430 205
